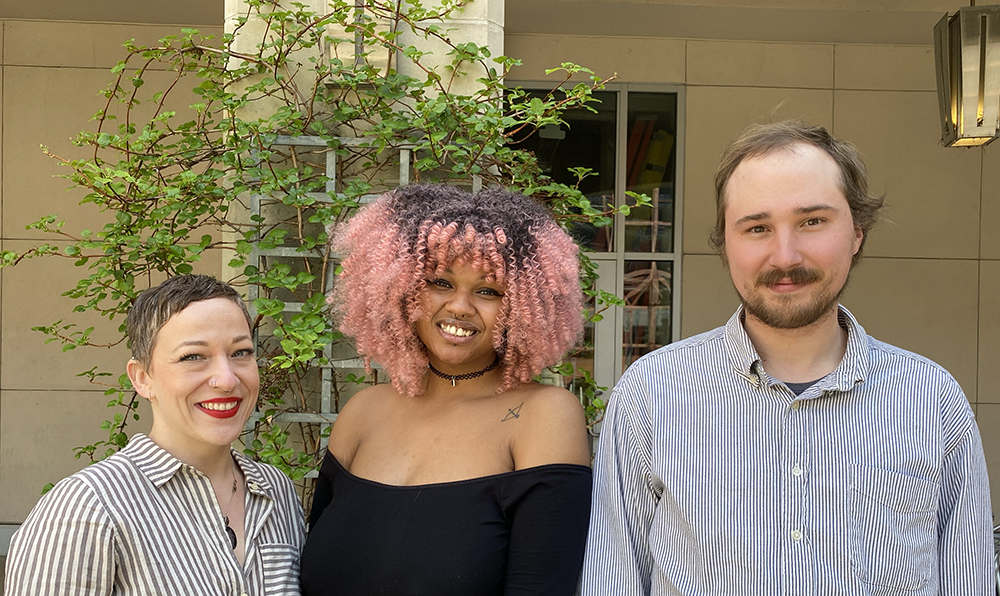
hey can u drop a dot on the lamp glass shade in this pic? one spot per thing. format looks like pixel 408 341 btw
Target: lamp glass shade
pixel 967 56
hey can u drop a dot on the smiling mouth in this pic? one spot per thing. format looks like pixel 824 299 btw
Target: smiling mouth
pixel 456 331
pixel 220 407
pixel 225 407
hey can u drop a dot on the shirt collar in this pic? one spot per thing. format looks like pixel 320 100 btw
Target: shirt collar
pixel 256 482
pixel 851 371
pixel 159 466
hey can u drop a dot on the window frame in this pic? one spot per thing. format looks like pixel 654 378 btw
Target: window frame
pixel 608 333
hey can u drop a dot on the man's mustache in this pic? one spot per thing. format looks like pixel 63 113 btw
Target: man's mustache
pixel 797 275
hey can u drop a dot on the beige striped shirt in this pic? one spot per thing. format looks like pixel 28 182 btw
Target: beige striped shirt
pixel 143 523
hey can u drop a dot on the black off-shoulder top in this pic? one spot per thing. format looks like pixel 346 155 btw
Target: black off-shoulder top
pixel 518 533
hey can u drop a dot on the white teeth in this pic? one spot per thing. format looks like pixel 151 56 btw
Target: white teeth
pixel 220 407
pixel 458 331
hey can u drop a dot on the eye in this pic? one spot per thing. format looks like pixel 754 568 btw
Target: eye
pixel 757 229
pixel 244 353
pixel 490 292
pixel 441 283
pixel 190 357
pixel 813 221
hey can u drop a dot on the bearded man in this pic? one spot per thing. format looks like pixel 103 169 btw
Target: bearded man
pixel 788 452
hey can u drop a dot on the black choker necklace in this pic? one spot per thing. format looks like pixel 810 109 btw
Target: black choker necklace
pixel 466 376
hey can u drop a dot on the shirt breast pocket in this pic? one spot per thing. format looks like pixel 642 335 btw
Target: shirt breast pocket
pixel 893 528
pixel 280 569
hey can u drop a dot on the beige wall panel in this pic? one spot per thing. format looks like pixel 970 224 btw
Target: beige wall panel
pixel 2 168
pixel 804 22
pixel 884 67
pixel 988 418
pixel 176 11
pixel 95 45
pixel 925 306
pixel 32 297
pixel 633 59
pixel 38 431
pixel 715 117
pixel 932 191
pixel 990 242
pixel 863 5
pixel 708 298
pixel 38 110
pixel 989 333
pixel 760 64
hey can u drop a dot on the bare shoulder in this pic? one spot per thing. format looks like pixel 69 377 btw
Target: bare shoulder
pixel 551 427
pixel 350 426
pixel 548 403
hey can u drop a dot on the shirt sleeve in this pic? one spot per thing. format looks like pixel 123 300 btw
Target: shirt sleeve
pixel 292 505
pixel 548 532
pixel 323 495
pixel 64 548
pixel 965 537
pixel 618 559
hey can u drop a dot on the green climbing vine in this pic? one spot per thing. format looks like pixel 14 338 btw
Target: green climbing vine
pixel 177 178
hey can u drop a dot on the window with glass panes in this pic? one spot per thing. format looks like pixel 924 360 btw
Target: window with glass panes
pixel 632 143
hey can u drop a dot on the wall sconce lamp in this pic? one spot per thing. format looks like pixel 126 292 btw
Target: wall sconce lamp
pixel 967 50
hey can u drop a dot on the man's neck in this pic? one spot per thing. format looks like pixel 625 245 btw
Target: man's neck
pixel 799 355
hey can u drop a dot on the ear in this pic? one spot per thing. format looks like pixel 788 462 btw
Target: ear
pixel 859 236
pixel 139 378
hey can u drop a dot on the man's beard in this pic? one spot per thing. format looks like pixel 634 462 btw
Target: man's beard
pixel 785 315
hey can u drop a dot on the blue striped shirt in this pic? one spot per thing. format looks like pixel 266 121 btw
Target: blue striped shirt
pixel 713 478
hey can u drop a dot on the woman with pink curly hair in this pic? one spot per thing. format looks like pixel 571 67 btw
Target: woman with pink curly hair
pixel 462 477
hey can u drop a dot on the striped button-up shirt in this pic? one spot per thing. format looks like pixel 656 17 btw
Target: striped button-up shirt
pixel 143 523
pixel 714 478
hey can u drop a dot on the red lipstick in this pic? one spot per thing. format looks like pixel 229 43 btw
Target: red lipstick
pixel 220 407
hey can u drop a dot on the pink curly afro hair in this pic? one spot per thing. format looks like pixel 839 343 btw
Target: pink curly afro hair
pixel 393 245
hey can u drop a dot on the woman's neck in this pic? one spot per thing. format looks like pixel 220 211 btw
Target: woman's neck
pixel 215 461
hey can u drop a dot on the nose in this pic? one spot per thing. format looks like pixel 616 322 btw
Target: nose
pixel 223 376
pixel 787 252
pixel 461 305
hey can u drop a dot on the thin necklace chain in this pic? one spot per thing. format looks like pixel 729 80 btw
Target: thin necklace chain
pixel 225 516
pixel 464 376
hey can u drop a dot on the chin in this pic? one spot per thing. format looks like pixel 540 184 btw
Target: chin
pixel 221 436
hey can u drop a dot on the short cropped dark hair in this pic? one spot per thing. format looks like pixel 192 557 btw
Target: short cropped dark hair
pixel 154 307
pixel 762 139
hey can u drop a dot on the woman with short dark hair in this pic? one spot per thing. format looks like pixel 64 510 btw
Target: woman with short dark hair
pixel 179 511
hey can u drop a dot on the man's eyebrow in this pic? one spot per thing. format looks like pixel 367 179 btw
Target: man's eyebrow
pixel 752 217
pixel 815 208
pixel 798 211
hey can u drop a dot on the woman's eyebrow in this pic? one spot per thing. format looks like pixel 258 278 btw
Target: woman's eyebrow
pixel 203 343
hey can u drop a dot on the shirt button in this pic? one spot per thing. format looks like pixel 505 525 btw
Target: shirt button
pixel 253 486
pixel 796 535
pixel 796 470
pixel 796 404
